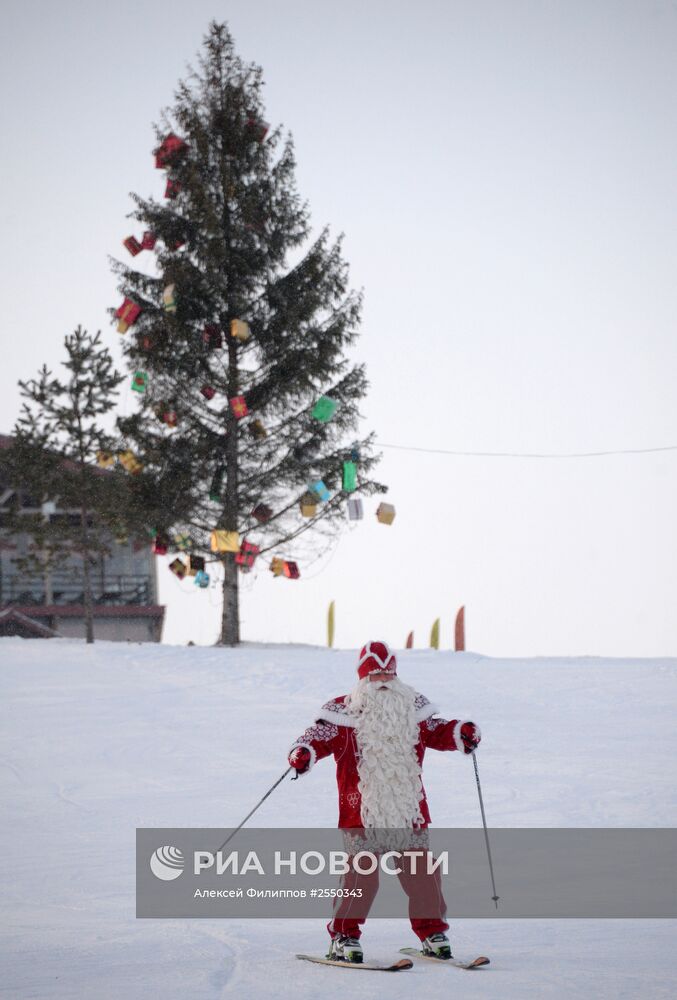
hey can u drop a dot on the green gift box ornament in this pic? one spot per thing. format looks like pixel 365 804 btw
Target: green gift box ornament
pixel 324 409
pixel 349 477
pixel 140 382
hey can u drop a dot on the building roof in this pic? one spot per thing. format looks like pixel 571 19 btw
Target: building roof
pixel 12 616
pixel 99 610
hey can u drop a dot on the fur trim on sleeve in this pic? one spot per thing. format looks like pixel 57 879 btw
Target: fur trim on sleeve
pixel 336 711
pixel 424 708
pixel 458 740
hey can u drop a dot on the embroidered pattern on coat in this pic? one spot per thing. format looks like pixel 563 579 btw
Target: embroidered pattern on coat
pixel 432 724
pixel 323 731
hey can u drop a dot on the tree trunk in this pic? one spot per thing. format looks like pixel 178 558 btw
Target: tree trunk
pixel 86 578
pixel 230 614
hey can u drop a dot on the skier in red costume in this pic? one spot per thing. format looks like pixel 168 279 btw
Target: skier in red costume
pixel 378 735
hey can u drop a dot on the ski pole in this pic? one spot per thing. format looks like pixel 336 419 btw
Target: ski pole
pixel 486 834
pixel 260 802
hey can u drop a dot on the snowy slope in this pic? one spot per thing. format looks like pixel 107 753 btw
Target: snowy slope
pixel 99 740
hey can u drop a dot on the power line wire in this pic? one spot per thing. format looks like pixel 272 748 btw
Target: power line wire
pixel 526 454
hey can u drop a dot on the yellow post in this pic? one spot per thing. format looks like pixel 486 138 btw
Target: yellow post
pixel 435 635
pixel 330 625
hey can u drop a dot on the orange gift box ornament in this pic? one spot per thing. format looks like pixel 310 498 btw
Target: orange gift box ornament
pixel 240 330
pixel 238 405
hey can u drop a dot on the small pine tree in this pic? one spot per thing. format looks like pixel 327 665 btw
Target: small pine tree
pixel 232 248
pixel 52 459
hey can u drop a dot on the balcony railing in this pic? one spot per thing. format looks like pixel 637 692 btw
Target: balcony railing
pixel 128 589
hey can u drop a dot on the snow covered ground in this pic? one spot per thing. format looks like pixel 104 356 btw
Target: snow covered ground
pixel 99 740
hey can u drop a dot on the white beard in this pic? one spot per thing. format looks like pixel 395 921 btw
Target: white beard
pixel 387 732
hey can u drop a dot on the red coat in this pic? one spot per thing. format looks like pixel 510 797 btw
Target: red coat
pixel 334 733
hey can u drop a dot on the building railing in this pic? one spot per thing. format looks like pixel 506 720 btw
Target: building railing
pixel 122 589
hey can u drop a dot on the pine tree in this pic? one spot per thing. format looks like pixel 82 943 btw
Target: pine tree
pixel 52 459
pixel 233 248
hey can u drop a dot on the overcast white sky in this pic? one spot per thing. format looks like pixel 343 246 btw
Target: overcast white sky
pixel 504 173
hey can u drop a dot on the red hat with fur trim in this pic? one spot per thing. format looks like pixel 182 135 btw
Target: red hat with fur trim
pixel 376 658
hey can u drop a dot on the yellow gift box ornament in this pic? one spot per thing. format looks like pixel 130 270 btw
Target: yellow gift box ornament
pixel 240 329
pixel 277 566
pixel 385 513
pixel 309 505
pixel 130 462
pixel 169 298
pixel 105 459
pixel 225 541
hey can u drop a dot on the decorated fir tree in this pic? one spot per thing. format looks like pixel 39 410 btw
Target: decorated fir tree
pixel 71 506
pixel 248 402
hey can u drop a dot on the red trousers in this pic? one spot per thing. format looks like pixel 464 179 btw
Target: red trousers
pixel 427 908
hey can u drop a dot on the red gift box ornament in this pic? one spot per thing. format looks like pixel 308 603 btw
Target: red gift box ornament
pixel 211 336
pixel 239 407
pixel 291 570
pixel 196 564
pixel 257 128
pixel 172 189
pixel 262 513
pixel 169 150
pixel 149 240
pixel 160 545
pixel 127 314
pixel 167 414
pixel 246 557
pixel 208 391
pixel 178 568
pixel 133 245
